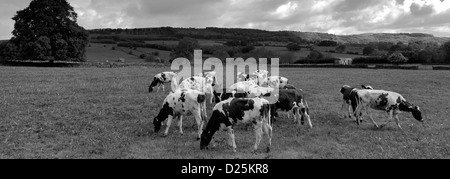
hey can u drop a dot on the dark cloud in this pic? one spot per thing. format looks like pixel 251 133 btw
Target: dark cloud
pixel 419 11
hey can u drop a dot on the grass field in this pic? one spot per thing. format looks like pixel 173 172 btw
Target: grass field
pixel 107 113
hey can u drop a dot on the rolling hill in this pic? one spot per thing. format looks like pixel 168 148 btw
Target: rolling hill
pixel 169 33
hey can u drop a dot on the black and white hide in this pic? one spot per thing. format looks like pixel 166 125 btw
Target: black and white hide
pixel 227 113
pixel 181 103
pixel 390 102
pixel 160 80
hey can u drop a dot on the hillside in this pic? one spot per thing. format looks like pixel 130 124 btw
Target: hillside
pixel 372 37
pixel 169 33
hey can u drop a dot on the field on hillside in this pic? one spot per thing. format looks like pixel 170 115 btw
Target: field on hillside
pixel 107 113
pixel 303 53
pixel 104 52
pixel 201 42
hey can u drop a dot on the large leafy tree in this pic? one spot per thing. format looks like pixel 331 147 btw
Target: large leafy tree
pixel 47 30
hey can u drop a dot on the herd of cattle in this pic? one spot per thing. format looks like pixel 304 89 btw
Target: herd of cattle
pixel 255 99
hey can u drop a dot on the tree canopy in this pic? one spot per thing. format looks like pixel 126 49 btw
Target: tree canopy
pixel 47 30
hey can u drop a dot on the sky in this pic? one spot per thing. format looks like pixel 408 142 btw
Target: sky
pixel 341 17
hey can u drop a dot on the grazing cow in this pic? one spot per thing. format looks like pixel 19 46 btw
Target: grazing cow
pixel 293 100
pixel 200 84
pixel 178 104
pixel 160 79
pixel 390 102
pixel 232 111
pixel 350 93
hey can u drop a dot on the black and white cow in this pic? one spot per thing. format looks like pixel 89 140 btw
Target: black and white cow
pixel 181 103
pixel 293 100
pixel 160 79
pixel 387 101
pixel 201 84
pixel 349 93
pixel 228 113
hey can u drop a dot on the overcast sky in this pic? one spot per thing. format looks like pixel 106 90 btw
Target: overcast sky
pixel 340 17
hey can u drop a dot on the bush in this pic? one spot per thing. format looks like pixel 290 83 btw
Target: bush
pixel 315 55
pixel 397 58
pixel 130 52
pixel 341 49
pixel 113 48
pixel 316 61
pixel 142 56
pixel 247 49
pixel 368 50
pixel 8 51
pixel 155 53
pixel 370 60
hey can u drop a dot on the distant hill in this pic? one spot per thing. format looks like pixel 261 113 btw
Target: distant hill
pixel 372 37
pixel 256 35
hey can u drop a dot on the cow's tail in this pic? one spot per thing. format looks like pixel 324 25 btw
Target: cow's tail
pixel 155 82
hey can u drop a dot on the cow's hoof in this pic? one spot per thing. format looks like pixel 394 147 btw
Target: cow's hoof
pixel 268 150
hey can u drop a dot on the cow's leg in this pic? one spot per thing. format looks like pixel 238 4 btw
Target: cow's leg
pixel 180 124
pixel 231 141
pixel 169 122
pixel 306 116
pixel 358 115
pixel 258 134
pixel 163 87
pixel 397 120
pixel 199 121
pixel 267 129
pixel 390 119
pixel 373 121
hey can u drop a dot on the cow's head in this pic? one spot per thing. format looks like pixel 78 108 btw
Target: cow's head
pixel 217 118
pixel 417 113
pixel 162 116
pixel 345 88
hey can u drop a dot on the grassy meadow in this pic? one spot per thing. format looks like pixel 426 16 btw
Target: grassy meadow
pixel 107 113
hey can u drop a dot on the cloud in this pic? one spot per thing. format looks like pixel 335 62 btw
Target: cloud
pixel 332 16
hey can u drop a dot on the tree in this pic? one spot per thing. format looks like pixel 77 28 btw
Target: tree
pixel 47 30
pixel 397 58
pixel 369 50
pixel 186 48
pixel 446 49
pixel 315 55
pixel 341 49
pixel 294 47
